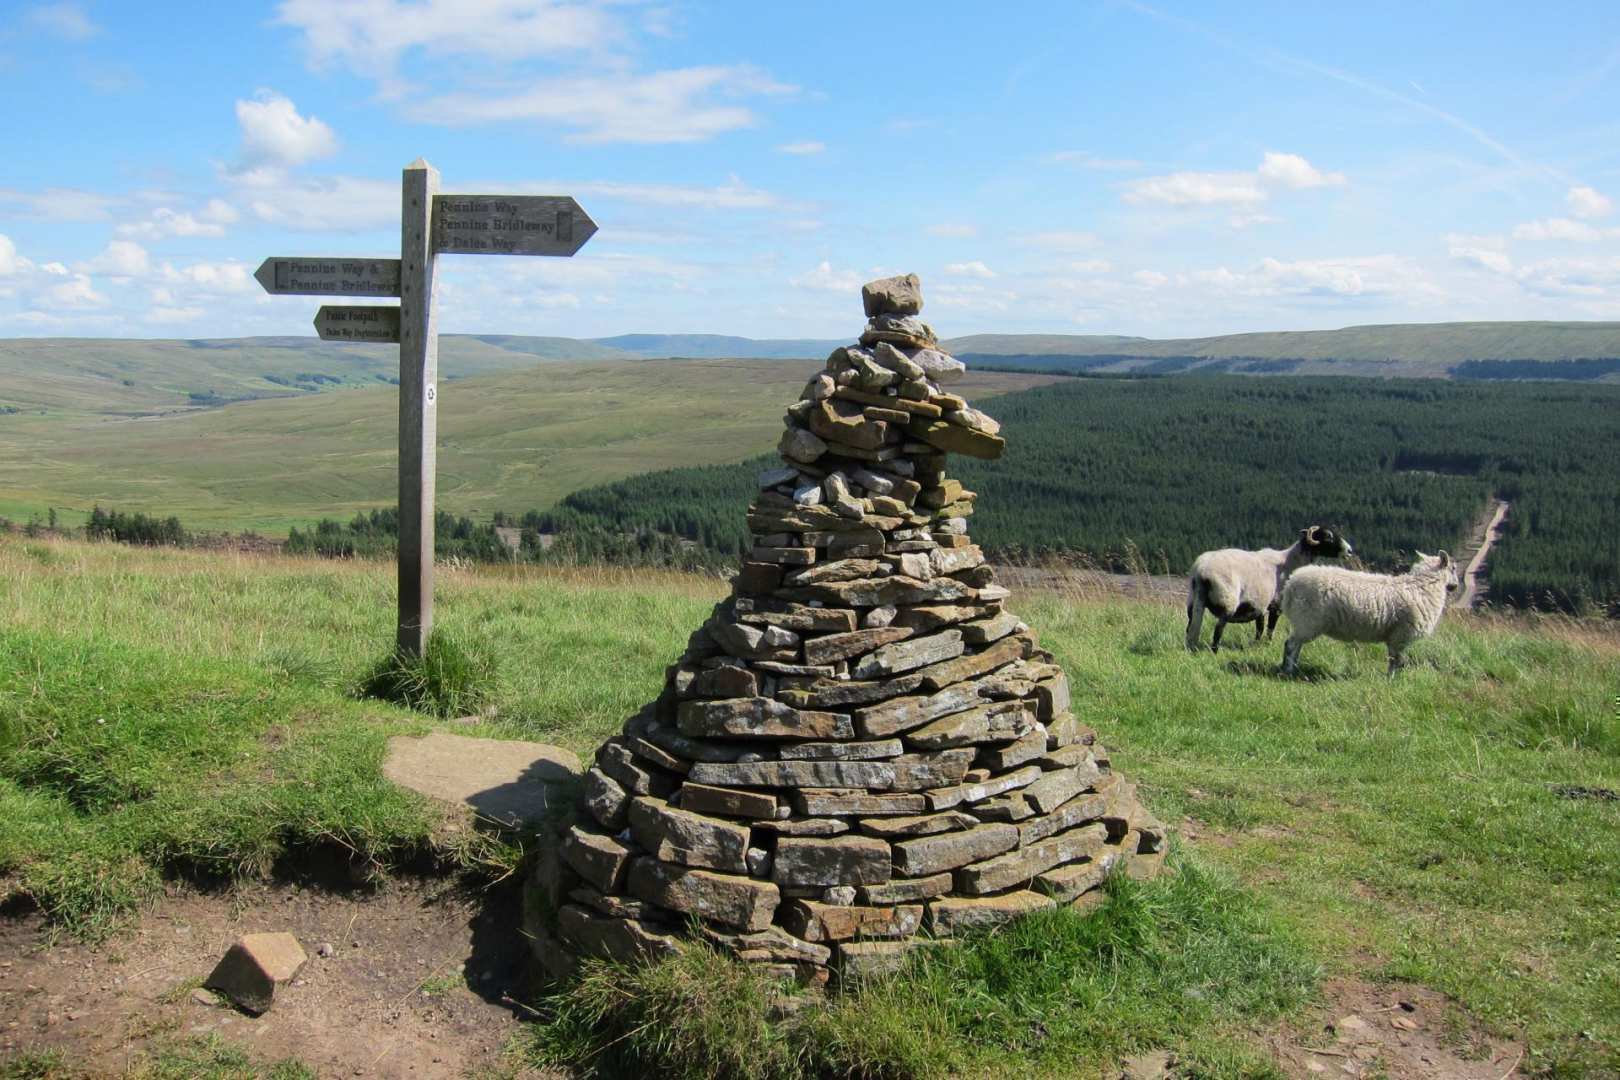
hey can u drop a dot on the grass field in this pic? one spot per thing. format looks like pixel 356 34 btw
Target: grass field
pixel 517 441
pixel 1430 828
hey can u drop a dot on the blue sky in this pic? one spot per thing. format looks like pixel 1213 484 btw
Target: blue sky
pixel 1165 169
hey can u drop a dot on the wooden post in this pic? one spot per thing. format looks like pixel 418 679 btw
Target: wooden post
pixel 418 401
pixel 430 224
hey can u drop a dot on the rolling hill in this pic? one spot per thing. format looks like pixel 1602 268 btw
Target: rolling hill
pixel 144 377
pixel 513 440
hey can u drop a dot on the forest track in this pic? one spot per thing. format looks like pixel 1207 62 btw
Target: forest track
pixel 1486 534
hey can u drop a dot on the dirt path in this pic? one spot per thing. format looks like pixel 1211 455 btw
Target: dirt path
pixel 1485 536
pixel 423 981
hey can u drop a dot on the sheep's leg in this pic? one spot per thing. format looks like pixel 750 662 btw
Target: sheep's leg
pixel 1259 630
pixel 1291 647
pixel 1215 640
pixel 1273 613
pixel 1195 619
pixel 1397 657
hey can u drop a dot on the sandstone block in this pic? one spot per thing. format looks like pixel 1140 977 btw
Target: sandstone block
pixel 906 890
pixel 835 647
pixel 1080 810
pixel 797 774
pixel 838 570
pixel 945 798
pixel 730 901
pixel 927 855
pixel 1054 789
pixel 772 943
pixel 760 718
pixel 956 439
pixel 833 803
pixel 902 714
pixel 605 799
pixel 917 825
pixel 843 751
pixel 896 590
pixel 901 295
pixel 814 921
pixel 1051 698
pixel 957 914
pixel 1028 748
pixel 622 939
pixel 976 664
pixel 836 860
pixel 253 967
pixel 1005 871
pixel 984 631
pixel 685 837
pixel 596 858
pixel 999 722
pixel 797 444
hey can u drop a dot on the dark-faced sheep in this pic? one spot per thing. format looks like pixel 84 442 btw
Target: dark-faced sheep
pixel 1239 586
pixel 1348 605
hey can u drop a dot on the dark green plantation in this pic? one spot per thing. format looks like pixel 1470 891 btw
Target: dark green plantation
pixel 1136 472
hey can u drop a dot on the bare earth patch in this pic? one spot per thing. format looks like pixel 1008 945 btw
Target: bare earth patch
pixel 1392 1030
pixel 423 980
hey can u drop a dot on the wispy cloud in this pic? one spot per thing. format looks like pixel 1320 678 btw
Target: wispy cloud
pixel 1241 189
pixel 1586 202
pixel 66 21
pixel 823 278
pixel 952 230
pixel 973 268
pixel 808 146
pixel 568 63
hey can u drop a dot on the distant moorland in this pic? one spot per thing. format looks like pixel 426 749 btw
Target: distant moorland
pixel 136 377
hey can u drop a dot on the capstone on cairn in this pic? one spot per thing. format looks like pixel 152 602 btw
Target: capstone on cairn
pixel 862 751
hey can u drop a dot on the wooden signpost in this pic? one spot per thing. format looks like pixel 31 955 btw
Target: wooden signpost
pixel 431 225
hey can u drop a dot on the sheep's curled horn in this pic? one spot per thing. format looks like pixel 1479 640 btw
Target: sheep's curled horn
pixel 1313 534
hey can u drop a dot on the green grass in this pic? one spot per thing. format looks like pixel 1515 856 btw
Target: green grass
pixel 1407 828
pixel 195 1058
pixel 1179 963
pixel 515 441
pixel 448 680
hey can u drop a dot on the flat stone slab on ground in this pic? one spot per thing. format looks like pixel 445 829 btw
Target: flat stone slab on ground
pixel 506 780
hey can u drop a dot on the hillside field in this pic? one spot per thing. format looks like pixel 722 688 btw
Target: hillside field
pixel 176 713
pixel 521 439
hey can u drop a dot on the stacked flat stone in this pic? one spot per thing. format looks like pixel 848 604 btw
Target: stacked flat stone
pixel 862 750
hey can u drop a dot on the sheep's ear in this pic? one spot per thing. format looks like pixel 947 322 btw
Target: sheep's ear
pixel 1445 558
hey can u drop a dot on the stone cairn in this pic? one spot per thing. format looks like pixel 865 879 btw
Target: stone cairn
pixel 862 751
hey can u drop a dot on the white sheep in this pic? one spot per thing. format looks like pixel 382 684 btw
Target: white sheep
pixel 1243 586
pixel 1349 605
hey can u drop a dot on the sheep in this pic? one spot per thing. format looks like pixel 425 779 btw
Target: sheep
pixel 1349 605
pixel 1243 586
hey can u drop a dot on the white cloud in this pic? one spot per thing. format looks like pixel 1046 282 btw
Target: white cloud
pixel 1197 189
pixel 210 221
pixel 1575 278
pixel 1150 278
pixel 208 277
pixel 1060 240
pixel 975 268
pixel 372 35
pixel 1585 202
pixel 1091 266
pixel 121 258
pixel 64 21
pixel 673 106
pixel 324 204
pixel 1293 171
pixel 1091 161
pixel 10 262
pixel 825 279
pixel 1348 277
pixel 808 146
pixel 953 230
pixel 1243 189
pixel 274 134
pixel 61 204
pixel 1485 252
pixel 598 92
pixel 1562 229
pixel 76 292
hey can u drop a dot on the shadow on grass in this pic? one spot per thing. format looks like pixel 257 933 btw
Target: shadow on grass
pixel 1266 668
